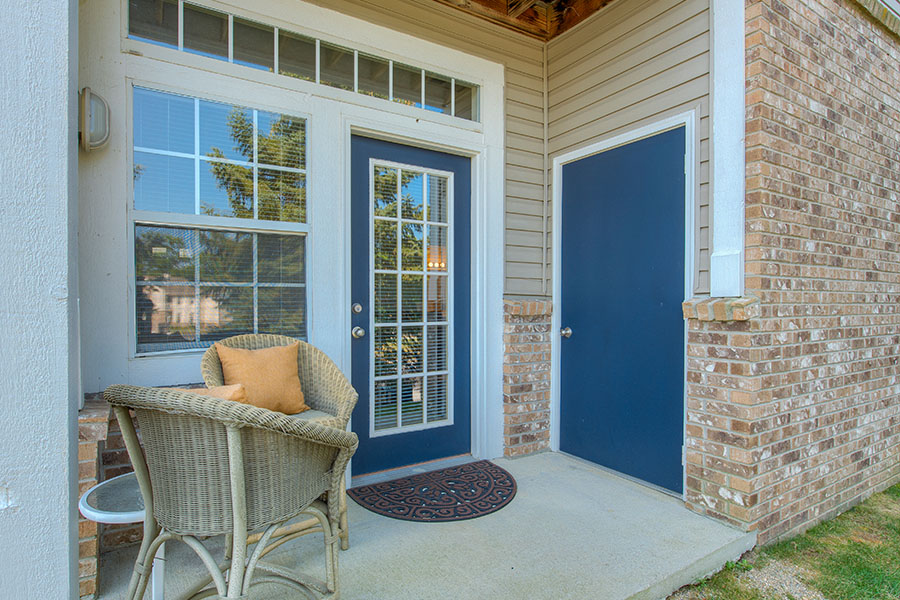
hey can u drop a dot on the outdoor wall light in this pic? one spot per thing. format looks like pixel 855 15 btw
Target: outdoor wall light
pixel 93 120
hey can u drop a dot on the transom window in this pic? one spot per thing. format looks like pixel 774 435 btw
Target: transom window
pixel 196 29
pixel 219 218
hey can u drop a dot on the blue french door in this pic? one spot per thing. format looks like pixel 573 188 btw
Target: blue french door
pixel 622 285
pixel 410 288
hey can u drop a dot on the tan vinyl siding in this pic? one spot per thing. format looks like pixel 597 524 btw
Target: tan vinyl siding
pixel 631 64
pixel 523 61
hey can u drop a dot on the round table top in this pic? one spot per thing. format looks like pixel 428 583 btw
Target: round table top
pixel 116 500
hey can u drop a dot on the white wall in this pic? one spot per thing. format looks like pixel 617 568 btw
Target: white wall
pixel 38 299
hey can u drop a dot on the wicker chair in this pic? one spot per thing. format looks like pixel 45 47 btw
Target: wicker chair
pixel 216 467
pixel 326 390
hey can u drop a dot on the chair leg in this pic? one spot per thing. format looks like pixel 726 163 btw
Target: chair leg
pixel 329 531
pixel 158 575
pixel 151 530
pixel 344 526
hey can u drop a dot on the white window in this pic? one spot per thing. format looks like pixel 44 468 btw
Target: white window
pixel 198 29
pixel 219 221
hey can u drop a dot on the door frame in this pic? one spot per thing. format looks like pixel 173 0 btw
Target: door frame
pixel 486 151
pixel 686 119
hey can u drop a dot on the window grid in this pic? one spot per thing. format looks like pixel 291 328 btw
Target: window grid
pixel 194 223
pixel 277 62
pixel 425 373
pixel 255 285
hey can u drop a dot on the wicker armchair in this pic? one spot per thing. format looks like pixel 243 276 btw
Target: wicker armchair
pixel 216 467
pixel 326 390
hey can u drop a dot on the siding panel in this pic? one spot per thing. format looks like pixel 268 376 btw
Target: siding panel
pixel 629 65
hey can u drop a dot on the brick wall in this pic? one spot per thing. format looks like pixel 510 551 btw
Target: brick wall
pixel 795 415
pixel 92 430
pixel 526 376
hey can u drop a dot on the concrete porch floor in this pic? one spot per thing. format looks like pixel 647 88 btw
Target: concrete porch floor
pixel 572 531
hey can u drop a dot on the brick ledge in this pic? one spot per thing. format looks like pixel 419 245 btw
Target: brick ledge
pixel 722 309
pixel 527 308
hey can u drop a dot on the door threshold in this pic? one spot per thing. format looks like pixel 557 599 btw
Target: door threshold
pixel 424 467
pixel 627 477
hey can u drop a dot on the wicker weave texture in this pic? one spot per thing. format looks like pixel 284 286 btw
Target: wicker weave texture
pixel 287 462
pixel 325 387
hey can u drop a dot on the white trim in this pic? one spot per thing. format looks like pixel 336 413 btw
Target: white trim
pixel 688 120
pixel 893 5
pixel 727 158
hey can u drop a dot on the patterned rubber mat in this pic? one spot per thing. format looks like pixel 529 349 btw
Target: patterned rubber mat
pixel 453 494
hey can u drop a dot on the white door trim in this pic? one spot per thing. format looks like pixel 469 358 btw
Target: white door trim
pixel 689 121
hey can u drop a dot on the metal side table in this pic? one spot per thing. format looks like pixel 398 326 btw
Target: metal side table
pixel 116 501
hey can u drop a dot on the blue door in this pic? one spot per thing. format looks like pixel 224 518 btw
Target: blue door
pixel 410 292
pixel 622 285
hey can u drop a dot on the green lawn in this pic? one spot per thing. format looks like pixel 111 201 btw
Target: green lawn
pixel 855 556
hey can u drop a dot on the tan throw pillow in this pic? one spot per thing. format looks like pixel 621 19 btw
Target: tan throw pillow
pixel 235 393
pixel 269 376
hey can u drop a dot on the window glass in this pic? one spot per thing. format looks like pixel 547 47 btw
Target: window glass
pixel 407 85
pixel 154 21
pixel 254 44
pixel 196 286
pixel 335 66
pixel 250 162
pixel 296 56
pixel 205 31
pixel 438 92
pixel 374 77
pixel 163 121
pixel 466 101
pixel 163 183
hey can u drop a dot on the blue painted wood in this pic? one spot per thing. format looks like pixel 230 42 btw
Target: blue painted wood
pixel 391 451
pixel 622 370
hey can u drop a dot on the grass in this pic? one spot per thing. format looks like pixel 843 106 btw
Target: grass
pixel 855 556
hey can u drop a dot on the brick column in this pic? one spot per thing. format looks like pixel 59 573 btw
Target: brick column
pixel 93 422
pixel 526 376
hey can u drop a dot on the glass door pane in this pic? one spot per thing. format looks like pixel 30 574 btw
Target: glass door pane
pixel 412 282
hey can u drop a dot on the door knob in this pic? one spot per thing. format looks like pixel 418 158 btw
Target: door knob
pixel 566 332
pixel 358 332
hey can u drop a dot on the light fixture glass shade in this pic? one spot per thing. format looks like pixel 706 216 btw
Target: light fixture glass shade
pixel 93 120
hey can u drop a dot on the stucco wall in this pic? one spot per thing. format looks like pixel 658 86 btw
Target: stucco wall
pixel 38 284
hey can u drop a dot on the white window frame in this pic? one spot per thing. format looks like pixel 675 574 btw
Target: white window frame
pixel 198 221
pixel 353 40
pixel 451 257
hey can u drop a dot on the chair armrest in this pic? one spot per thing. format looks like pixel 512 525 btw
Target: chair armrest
pixel 228 412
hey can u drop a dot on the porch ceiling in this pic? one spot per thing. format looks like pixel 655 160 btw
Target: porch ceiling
pixel 572 531
pixel 543 19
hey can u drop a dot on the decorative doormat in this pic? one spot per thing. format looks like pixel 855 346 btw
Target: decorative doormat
pixel 453 494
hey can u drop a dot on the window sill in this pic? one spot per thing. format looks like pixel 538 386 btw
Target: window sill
pixel 722 309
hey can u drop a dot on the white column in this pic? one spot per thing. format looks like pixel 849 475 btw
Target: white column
pixel 727 151
pixel 38 300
